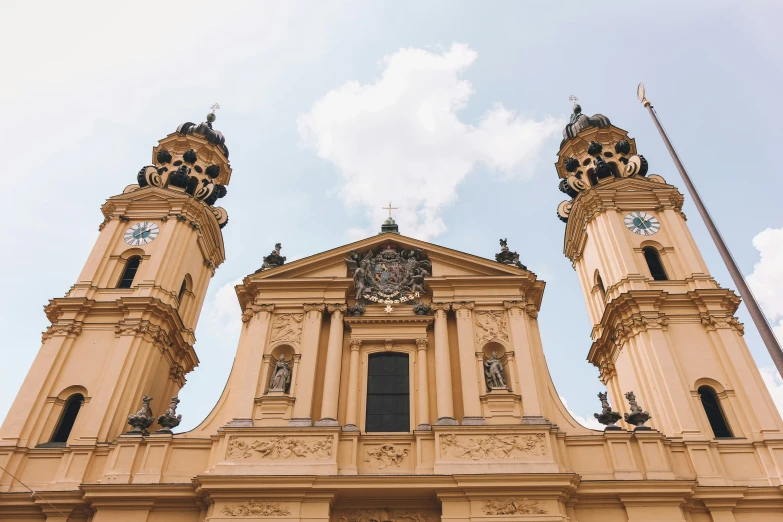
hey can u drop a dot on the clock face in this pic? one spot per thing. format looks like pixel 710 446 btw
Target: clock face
pixel 141 233
pixel 642 223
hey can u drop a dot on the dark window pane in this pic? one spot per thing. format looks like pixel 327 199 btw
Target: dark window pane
pixel 130 272
pixel 388 397
pixel 714 412
pixel 68 418
pixel 654 263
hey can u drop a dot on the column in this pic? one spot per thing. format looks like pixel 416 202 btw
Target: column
pixel 443 389
pixel 305 379
pixel 423 395
pixel 334 356
pixel 352 412
pixel 467 354
pixel 528 389
pixel 253 339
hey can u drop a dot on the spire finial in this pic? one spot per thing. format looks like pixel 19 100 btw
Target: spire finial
pixel 390 208
pixel 211 116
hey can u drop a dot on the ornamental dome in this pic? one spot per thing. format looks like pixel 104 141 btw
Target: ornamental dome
pixel 580 121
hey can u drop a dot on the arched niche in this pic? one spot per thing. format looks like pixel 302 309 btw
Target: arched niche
pixel 491 350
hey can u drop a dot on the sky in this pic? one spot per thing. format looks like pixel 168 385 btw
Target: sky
pixel 452 110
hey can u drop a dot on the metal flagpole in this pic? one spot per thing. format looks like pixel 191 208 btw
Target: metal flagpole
pixel 773 347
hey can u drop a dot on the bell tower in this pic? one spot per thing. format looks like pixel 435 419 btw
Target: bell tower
pixel 126 327
pixel 662 326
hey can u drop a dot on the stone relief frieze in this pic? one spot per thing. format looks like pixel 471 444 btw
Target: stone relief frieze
pixel 379 515
pixel 287 328
pixel 491 326
pixel 512 506
pixel 493 447
pixel 386 455
pixel 256 508
pixel 280 448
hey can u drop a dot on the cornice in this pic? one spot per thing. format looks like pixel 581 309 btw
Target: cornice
pixel 152 203
pixel 632 193
pixel 639 310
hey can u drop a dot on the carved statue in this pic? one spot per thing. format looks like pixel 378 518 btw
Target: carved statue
pixel 273 260
pixel 507 257
pixel 281 377
pixel 170 419
pixel 638 416
pixel 143 418
pixel 607 417
pixel 493 373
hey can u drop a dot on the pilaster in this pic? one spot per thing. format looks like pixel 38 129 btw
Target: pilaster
pixel 311 333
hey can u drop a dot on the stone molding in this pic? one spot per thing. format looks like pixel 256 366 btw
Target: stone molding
pixel 72 329
pixel 256 508
pixel 379 514
pixel 491 325
pixel 287 328
pixel 512 506
pixel 281 447
pixel 492 447
pixel 716 322
pixel 251 311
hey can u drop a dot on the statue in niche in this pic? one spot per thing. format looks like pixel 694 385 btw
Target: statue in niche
pixel 493 373
pixel 281 376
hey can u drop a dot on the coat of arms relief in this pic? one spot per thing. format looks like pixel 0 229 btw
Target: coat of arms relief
pixel 391 276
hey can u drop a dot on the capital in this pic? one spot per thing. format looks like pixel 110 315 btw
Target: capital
pixel 440 307
pixel 356 344
pixel 520 305
pixel 421 344
pixel 251 311
pixel 336 308
pixel 314 307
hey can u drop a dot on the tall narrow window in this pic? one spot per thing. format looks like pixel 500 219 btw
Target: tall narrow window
pixel 131 267
pixel 654 263
pixel 600 283
pixel 714 412
pixel 182 290
pixel 388 394
pixel 68 418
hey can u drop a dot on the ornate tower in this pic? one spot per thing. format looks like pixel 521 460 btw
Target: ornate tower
pixel 662 327
pixel 125 328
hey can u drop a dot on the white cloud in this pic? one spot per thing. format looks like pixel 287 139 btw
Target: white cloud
pixel 401 139
pixel 588 422
pixel 766 281
pixel 775 385
pixel 224 310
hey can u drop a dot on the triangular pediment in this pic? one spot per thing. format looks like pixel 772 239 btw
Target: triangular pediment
pixel 445 261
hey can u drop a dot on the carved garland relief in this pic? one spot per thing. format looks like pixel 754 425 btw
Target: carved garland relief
pixel 386 455
pixel 379 515
pixel 492 447
pixel 512 506
pixel 280 448
pixel 287 328
pixel 491 326
pixel 256 508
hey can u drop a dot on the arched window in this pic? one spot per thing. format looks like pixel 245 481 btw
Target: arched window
pixel 709 400
pixel 131 267
pixel 182 290
pixel 388 394
pixel 654 263
pixel 68 418
pixel 600 284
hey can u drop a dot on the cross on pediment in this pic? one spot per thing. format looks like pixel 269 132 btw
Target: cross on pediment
pixel 390 208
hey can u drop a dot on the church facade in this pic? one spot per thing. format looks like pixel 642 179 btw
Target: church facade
pixel 394 380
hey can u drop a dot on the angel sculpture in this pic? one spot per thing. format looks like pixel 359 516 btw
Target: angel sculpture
pixel 360 272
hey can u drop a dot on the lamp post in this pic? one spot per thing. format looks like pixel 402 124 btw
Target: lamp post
pixel 773 347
